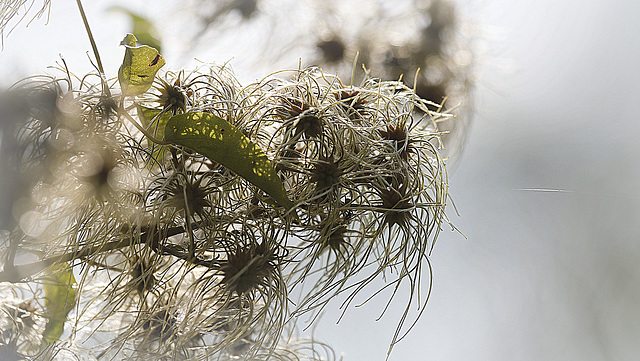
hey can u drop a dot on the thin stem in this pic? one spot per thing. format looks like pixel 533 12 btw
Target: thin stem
pixel 14 274
pixel 149 136
pixel 96 53
pixel 90 34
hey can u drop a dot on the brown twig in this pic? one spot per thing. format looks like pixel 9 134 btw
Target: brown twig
pixel 152 237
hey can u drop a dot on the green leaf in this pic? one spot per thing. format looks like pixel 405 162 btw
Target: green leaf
pixel 149 115
pixel 143 29
pixel 220 141
pixel 59 300
pixel 139 67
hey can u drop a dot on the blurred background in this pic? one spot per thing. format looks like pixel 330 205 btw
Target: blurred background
pixel 546 186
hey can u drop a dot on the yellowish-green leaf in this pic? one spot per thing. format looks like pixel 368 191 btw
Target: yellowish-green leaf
pixel 148 115
pixel 143 29
pixel 59 300
pixel 155 123
pixel 129 40
pixel 220 141
pixel 139 67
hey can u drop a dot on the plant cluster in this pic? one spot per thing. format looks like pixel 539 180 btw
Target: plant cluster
pixel 183 248
pixel 183 215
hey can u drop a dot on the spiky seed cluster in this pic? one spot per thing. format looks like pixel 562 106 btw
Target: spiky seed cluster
pixel 398 137
pixel 161 326
pixel 396 207
pixel 187 196
pixel 202 256
pixel 142 276
pixel 352 101
pixel 247 268
pixel 325 174
pixel 337 239
pixel 307 123
pixel 310 125
pixel 172 98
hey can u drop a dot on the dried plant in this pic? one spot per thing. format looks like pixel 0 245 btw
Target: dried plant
pixel 174 215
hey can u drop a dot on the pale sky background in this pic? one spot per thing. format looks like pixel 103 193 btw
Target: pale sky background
pixel 550 275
